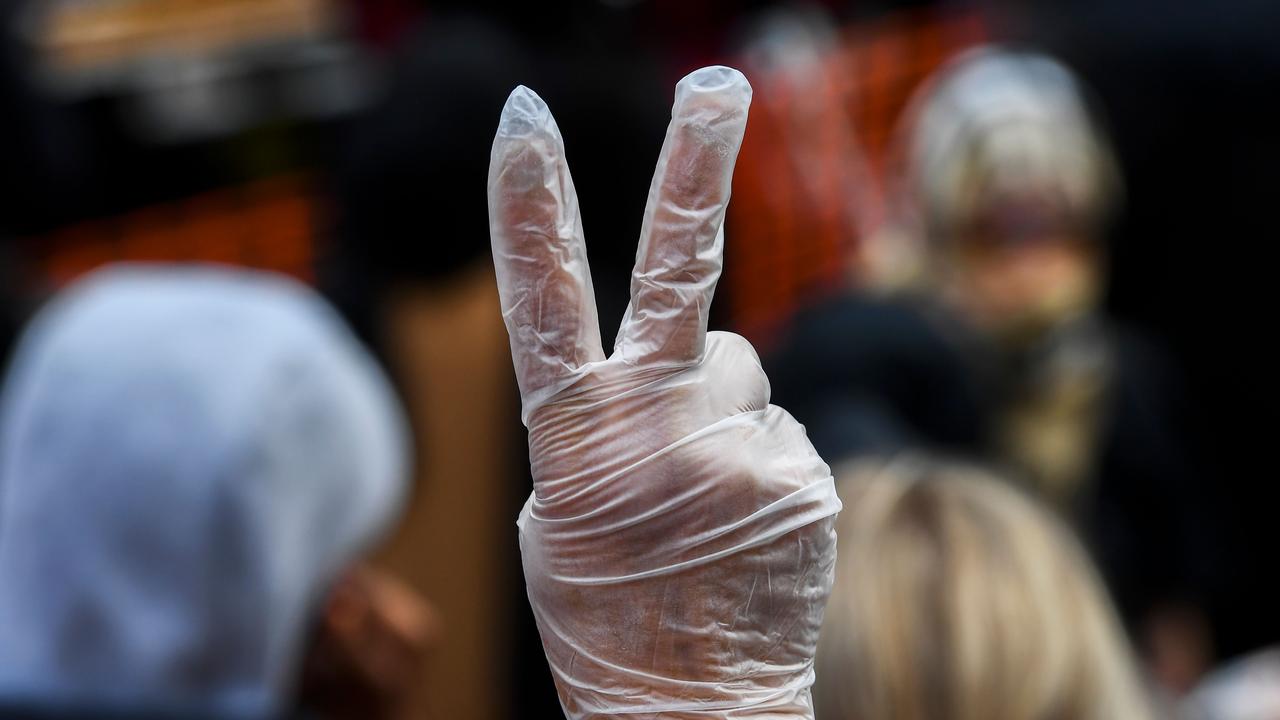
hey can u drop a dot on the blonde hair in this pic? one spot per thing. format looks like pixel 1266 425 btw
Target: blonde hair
pixel 957 598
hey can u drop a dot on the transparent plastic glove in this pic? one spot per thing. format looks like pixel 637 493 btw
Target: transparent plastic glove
pixel 679 544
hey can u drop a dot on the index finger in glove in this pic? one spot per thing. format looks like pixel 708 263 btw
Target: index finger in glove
pixel 539 252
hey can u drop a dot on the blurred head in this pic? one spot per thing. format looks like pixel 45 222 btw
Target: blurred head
pixel 956 597
pixel 1008 180
pixel 188 459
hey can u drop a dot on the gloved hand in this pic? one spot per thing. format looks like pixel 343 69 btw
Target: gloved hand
pixel 679 544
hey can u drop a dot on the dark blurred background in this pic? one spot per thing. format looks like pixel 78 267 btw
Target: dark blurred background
pixel 346 142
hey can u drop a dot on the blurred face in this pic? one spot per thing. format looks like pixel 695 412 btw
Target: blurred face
pixel 1019 268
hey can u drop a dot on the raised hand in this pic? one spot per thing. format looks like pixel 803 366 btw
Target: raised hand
pixel 678 546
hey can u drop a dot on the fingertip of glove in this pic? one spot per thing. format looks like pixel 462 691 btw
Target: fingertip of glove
pixel 524 114
pixel 714 80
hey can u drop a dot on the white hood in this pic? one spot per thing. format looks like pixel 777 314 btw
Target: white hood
pixel 188 456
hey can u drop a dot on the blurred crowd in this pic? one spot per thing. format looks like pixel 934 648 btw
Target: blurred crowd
pixel 261 449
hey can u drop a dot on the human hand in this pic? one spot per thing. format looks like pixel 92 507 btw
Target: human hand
pixel 679 543
pixel 368 648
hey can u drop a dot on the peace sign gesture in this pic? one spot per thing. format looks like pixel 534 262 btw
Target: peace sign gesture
pixel 678 546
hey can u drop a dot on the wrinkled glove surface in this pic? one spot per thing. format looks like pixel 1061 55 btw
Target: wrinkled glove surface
pixel 679 543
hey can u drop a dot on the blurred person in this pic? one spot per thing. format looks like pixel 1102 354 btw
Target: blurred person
pixel 958 597
pixel 190 459
pixel 1006 181
pixel 1009 182
pixel 991 244
pixel 982 334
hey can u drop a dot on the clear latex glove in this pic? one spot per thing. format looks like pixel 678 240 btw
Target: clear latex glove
pixel 679 544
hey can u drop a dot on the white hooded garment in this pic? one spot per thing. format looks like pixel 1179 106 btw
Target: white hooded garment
pixel 188 457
